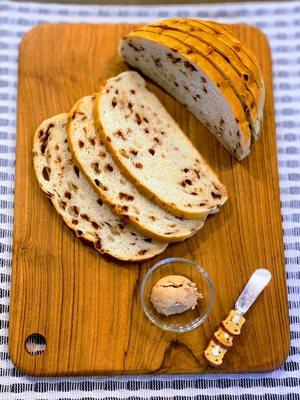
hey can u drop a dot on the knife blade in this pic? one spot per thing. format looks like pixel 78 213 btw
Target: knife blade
pixel 256 284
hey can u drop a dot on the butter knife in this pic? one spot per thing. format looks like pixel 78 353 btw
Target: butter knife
pixel 231 326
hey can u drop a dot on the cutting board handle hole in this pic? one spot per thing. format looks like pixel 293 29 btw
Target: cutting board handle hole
pixel 35 344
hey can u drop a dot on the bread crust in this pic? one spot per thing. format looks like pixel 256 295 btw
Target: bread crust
pixel 244 53
pixel 230 39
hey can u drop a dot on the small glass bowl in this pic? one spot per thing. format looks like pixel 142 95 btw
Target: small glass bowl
pixel 189 319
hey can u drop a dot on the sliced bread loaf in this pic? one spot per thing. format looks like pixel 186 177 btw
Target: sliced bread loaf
pixel 113 187
pixel 153 151
pixel 231 51
pixel 222 65
pixel 76 202
pixel 195 82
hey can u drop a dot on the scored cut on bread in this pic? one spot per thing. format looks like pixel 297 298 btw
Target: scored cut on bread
pixel 237 83
pixel 231 39
pixel 113 187
pixel 77 203
pixel 245 54
pixel 221 38
pixel 153 151
pixel 194 82
pixel 199 29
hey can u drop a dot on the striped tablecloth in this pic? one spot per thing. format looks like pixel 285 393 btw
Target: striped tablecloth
pixel 281 23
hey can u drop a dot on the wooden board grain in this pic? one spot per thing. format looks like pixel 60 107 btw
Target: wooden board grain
pixel 87 306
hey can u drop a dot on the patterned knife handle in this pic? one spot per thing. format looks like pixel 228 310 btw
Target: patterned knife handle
pixel 223 338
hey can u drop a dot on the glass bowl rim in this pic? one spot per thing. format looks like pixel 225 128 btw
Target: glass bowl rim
pixel 197 322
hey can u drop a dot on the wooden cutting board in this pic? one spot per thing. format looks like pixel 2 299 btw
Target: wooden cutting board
pixel 87 306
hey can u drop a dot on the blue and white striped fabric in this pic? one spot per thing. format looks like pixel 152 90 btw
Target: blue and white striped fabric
pixel 281 23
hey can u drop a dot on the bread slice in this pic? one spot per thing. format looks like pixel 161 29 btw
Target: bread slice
pixel 193 81
pixel 153 151
pixel 232 52
pixel 76 202
pixel 222 65
pixel 113 187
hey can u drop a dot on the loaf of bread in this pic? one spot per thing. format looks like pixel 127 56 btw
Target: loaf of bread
pixel 217 82
pixel 152 150
pixel 113 187
pixel 77 203
pixel 236 53
pixel 247 91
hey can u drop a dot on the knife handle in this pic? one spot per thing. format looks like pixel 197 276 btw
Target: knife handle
pixel 223 338
pixel 214 353
pixel 233 323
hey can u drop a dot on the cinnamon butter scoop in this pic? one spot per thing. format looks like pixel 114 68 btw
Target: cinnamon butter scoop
pixel 174 294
